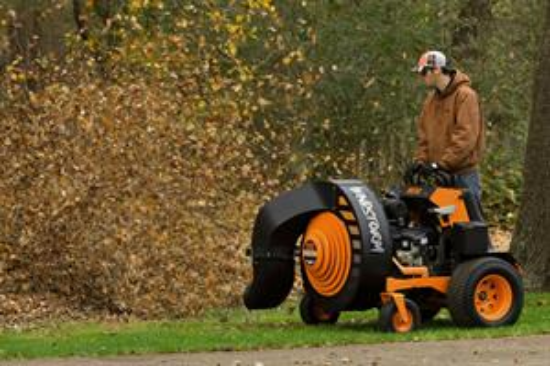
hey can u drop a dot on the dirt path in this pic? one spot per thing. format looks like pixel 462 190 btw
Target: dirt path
pixel 533 350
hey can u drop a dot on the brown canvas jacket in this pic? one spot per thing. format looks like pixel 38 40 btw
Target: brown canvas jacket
pixel 451 130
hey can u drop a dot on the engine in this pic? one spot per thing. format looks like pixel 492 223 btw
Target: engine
pixel 414 244
pixel 414 247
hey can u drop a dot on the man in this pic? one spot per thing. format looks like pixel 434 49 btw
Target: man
pixel 451 131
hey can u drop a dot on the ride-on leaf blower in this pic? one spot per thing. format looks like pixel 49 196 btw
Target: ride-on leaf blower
pixel 422 247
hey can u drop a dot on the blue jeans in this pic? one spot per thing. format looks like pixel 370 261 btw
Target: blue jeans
pixel 472 182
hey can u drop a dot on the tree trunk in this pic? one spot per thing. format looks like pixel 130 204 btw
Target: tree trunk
pixel 531 241
pixel 81 19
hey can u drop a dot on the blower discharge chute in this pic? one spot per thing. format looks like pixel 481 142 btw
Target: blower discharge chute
pixel 422 247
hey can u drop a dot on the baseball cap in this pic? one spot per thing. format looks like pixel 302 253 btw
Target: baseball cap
pixel 431 60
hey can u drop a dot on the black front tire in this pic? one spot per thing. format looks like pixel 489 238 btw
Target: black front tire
pixel 313 314
pixel 390 321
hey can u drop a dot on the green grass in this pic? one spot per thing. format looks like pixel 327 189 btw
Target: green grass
pixel 241 330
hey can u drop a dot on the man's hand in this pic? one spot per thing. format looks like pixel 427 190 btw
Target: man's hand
pixel 431 168
pixel 441 176
pixel 413 169
pixel 417 166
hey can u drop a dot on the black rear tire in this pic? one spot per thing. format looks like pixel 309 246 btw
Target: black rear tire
pixel 470 305
pixel 313 314
pixel 429 303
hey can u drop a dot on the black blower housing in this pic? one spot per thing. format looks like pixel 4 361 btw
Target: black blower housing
pixel 280 223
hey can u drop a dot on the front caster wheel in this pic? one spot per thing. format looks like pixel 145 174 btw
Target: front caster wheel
pixel 312 314
pixel 391 321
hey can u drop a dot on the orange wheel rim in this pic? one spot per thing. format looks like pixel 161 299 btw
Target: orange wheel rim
pixel 493 297
pixel 400 325
pixel 326 254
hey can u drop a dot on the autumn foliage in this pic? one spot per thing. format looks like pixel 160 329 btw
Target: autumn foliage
pixel 130 174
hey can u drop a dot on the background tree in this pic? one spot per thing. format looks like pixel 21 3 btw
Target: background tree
pixel 532 236
pixel 474 16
